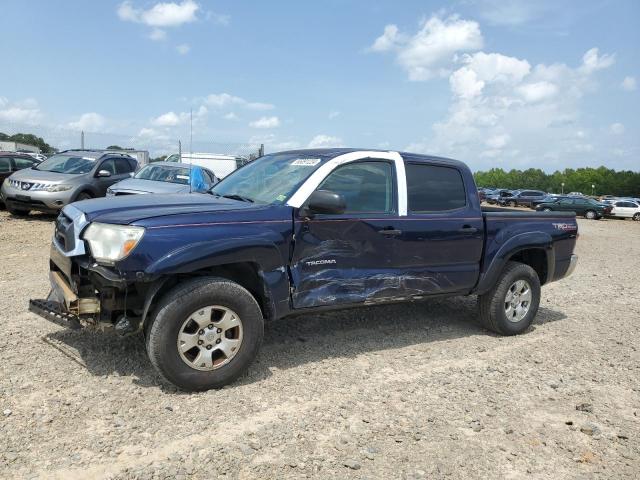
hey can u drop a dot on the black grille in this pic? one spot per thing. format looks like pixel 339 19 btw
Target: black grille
pixel 64 232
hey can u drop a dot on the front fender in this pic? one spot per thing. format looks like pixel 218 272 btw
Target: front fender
pixel 517 243
pixel 210 253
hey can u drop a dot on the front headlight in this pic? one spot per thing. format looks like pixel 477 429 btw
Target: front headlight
pixel 111 243
pixel 58 188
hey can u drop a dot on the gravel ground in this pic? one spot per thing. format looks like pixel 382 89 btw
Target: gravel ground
pixel 404 391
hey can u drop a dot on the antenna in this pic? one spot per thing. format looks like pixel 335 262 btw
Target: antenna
pixel 190 150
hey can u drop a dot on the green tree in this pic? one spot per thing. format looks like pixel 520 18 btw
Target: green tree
pixel 29 139
pixel 114 147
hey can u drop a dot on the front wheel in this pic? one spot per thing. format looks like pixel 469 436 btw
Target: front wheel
pixel 590 214
pixel 546 209
pixel 205 334
pixel 511 305
pixel 512 204
pixel 17 211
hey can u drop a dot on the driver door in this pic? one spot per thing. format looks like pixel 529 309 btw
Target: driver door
pixel 348 258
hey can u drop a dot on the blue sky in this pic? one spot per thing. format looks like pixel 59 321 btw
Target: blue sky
pixel 505 83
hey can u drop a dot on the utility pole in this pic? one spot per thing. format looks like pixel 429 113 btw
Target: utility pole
pixel 180 150
pixel 82 139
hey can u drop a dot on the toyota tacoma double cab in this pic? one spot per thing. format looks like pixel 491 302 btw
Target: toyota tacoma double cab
pixel 293 233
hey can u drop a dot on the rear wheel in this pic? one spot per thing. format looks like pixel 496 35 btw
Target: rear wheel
pixel 512 203
pixel 636 217
pixel 546 209
pixel 511 305
pixel 590 214
pixel 205 333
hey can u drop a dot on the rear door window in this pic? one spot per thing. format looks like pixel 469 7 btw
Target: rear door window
pixel 122 166
pixel 5 165
pixel 433 188
pixel 21 163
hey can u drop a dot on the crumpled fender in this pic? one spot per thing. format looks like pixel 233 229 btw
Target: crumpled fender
pixel 515 244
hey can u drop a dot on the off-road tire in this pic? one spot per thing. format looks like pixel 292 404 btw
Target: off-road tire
pixel 161 333
pixel 491 305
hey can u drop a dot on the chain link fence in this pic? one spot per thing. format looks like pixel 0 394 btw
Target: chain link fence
pixel 158 144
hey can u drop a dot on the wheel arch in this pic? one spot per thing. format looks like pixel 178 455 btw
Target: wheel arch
pixel 534 249
pixel 247 274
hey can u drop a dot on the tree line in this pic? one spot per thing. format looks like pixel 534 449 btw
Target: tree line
pixel 29 139
pixel 605 180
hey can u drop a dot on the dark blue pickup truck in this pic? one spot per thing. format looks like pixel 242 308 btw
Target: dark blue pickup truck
pixel 291 233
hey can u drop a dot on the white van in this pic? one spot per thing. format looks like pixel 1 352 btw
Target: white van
pixel 221 165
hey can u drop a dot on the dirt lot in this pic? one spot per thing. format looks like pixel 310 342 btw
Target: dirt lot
pixel 404 391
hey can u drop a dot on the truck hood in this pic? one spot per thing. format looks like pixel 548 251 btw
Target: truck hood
pixel 149 186
pixel 132 208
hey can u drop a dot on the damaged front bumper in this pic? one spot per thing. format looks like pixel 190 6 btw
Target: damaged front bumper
pixel 63 307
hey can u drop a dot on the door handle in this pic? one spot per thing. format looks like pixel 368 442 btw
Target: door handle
pixel 390 232
pixel 467 229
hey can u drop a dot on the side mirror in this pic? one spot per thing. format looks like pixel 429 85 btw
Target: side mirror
pixel 132 174
pixel 326 201
pixel 103 173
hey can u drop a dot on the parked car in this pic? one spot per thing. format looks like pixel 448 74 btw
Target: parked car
pixel 546 199
pixel 38 156
pixel 11 162
pixel 523 198
pixel 575 194
pixel 163 177
pixel 295 232
pixel 221 165
pixel 625 209
pixel 498 195
pixel 64 178
pixel 585 207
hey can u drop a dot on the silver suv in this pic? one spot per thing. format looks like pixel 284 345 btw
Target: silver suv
pixel 64 178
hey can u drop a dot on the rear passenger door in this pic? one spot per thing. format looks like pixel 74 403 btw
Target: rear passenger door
pixel 440 246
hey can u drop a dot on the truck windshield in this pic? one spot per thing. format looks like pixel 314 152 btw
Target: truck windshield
pixel 269 179
pixel 67 164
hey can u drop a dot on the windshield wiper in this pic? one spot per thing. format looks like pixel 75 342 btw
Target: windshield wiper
pixel 235 196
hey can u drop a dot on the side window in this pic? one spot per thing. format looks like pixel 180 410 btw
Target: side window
pixel 109 166
pixel 432 188
pixel 21 163
pixel 367 187
pixel 122 166
pixel 5 165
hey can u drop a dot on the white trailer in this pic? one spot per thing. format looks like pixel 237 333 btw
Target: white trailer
pixel 220 165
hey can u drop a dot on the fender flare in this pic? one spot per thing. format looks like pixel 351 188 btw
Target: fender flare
pixel 516 244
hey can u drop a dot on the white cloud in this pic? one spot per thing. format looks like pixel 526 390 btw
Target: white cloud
pixel 147 132
pixel 230 116
pixel 505 110
pixel 617 128
pixel 537 91
pixel 26 111
pixel 157 35
pixel 431 50
pixel 497 142
pixel 592 61
pixel 629 84
pixel 511 12
pixel 465 83
pixel 265 122
pixel 219 19
pixel 220 100
pixel 169 119
pixel 168 14
pixel 334 114
pixel 91 121
pixel 325 141
pixel 183 49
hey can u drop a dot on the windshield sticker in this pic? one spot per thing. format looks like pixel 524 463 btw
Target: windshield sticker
pixel 306 162
pixel 183 177
pixel 281 198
